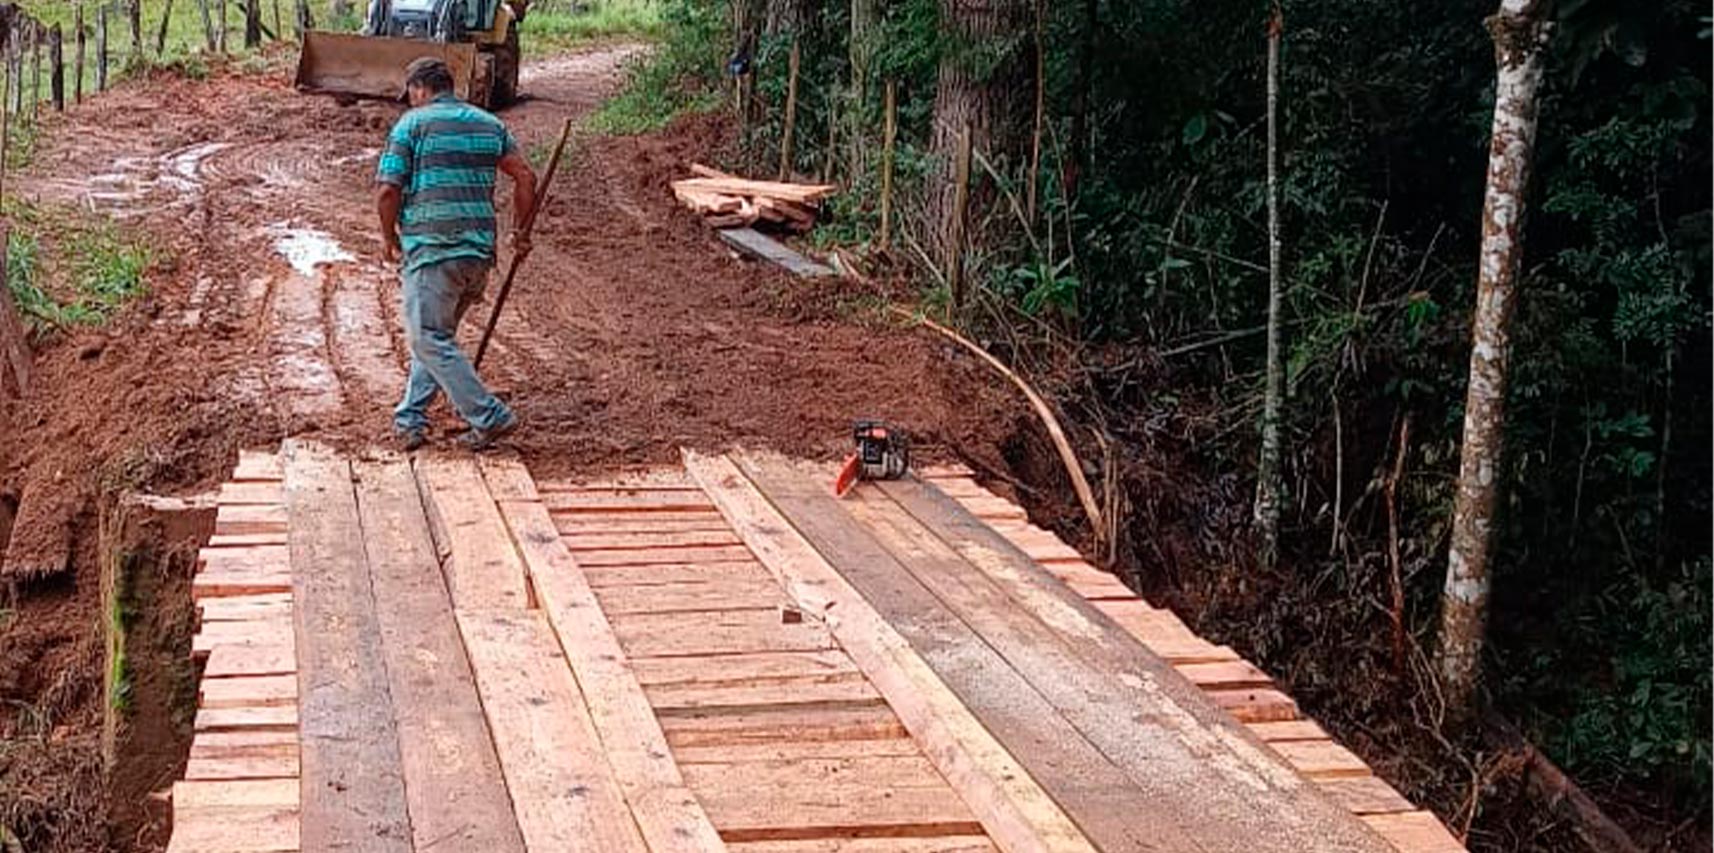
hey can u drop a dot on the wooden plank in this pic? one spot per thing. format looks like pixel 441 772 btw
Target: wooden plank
pixel 453 788
pixel 688 597
pixel 637 522
pixel 1120 709
pixel 232 520
pixel 669 817
pixel 225 743
pixel 246 540
pixel 745 187
pixel 258 465
pixel 353 789
pixel 245 608
pixel 1011 806
pixel 656 478
pixel 932 844
pixel 1414 832
pixel 664 556
pixel 260 690
pixel 1225 675
pixel 271 631
pixel 251 493
pixel 1321 759
pixel 563 791
pixel 875 772
pixel 795 751
pixel 764 724
pixel 1256 706
pixel 1288 730
pixel 580 541
pixel 612 501
pixel 230 661
pixel 1364 795
pixel 755 244
pixel 717 632
pixel 601 577
pixel 247 792
pixel 279 762
pixel 482 567
pixel 275 717
pixel 255 559
pixel 762 668
pixel 778 693
pixel 749 813
pixel 236 829
pixel 507 478
pixel 225 585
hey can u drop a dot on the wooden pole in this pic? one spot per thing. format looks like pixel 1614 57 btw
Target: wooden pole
pixel 220 26
pixel 525 228
pixel 888 140
pixel 77 75
pixel 56 66
pixel 136 13
pixel 6 93
pixel 279 31
pixel 207 23
pixel 15 67
pixel 252 24
pixel 161 34
pixel 101 48
pixel 955 228
pixel 1034 177
pixel 35 69
pixel 791 115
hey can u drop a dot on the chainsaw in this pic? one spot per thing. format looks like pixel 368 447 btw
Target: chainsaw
pixel 883 452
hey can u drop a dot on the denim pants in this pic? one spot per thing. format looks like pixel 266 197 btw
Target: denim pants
pixel 435 299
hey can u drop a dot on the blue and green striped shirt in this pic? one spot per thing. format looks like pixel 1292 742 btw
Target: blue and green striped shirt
pixel 444 155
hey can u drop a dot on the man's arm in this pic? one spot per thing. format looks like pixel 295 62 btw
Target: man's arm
pixel 523 197
pixel 388 200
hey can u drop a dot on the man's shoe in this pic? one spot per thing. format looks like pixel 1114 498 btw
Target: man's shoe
pixel 411 439
pixel 483 439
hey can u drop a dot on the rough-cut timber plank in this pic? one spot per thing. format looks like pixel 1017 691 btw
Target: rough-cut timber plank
pixel 1195 784
pixel 258 465
pixel 231 661
pixel 225 584
pixel 796 751
pixel 777 693
pixel 483 570
pixel 668 815
pixel 573 524
pixel 751 813
pixel 354 795
pixel 277 717
pixel 234 519
pixel 757 245
pixel 610 501
pixel 1012 807
pixel 936 844
pixel 1256 706
pixel 256 632
pixel 507 478
pixel 1414 832
pixel 718 632
pixel 258 690
pixel 453 787
pixel 1365 795
pixel 246 792
pixel 890 771
pixel 1225 675
pixel 598 541
pixel 244 608
pixel 661 556
pixel 601 577
pixel 1321 759
pixel 1288 730
pixel 280 762
pixel 236 829
pixel 563 790
pixel 757 594
pixel 762 668
pixel 775 723
pixel 251 493
pixel 245 540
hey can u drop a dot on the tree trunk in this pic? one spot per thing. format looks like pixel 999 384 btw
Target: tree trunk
pixel 995 107
pixel 1080 98
pixel 1520 31
pixel 1032 180
pixel 1268 464
pixel 865 14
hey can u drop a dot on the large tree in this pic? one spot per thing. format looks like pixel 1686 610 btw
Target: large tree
pixel 1520 30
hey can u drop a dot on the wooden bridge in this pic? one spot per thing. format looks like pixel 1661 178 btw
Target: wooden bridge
pixel 441 654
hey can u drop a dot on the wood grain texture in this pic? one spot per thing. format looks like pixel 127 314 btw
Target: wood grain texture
pixel 453 787
pixel 483 570
pixel 353 790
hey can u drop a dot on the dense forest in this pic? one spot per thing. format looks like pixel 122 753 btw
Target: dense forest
pixel 1383 328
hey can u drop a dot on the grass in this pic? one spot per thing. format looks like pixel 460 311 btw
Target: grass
pixel 67 268
pixel 554 26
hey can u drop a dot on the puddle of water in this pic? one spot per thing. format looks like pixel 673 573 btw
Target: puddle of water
pixel 306 248
pixel 186 163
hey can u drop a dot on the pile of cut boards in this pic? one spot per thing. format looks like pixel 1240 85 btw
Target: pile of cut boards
pixel 728 201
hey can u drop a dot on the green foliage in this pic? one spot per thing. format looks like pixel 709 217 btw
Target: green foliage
pixel 681 75
pixel 67 270
pixel 553 27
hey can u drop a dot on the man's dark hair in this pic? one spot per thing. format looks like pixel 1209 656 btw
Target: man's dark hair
pixel 429 73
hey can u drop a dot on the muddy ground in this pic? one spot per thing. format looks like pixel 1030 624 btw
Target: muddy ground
pixel 631 332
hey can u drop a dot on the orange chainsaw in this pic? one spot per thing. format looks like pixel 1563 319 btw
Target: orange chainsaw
pixel 882 453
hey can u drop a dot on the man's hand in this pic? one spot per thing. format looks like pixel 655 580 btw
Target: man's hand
pixel 388 200
pixel 520 244
pixel 390 251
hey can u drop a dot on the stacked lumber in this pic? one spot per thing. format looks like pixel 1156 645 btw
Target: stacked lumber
pixel 728 201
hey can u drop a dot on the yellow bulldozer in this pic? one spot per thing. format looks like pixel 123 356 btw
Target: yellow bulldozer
pixel 478 40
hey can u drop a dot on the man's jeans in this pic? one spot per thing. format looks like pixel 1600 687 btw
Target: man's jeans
pixel 435 299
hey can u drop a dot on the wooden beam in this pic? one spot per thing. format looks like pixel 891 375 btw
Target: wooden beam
pixel 354 795
pixel 666 812
pixel 453 787
pixel 1008 801
pixel 482 568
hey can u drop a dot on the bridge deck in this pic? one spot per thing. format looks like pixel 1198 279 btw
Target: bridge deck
pixel 441 653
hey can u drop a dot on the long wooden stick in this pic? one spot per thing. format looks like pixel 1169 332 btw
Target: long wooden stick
pixel 791 115
pixel 1067 456
pixel 888 139
pixel 528 226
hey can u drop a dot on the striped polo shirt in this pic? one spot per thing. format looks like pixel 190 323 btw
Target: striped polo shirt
pixel 443 155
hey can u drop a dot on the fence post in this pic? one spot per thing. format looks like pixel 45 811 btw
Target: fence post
pixel 889 137
pixel 955 228
pixel 15 68
pixel 252 24
pixel 279 31
pixel 101 48
pixel 220 25
pixel 77 67
pixel 35 69
pixel 136 13
pixel 161 34
pixel 791 114
pixel 306 21
pixel 56 66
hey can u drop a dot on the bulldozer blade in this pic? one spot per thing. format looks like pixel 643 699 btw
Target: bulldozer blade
pixel 371 66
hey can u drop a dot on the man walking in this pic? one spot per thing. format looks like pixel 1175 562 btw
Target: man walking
pixel 436 203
